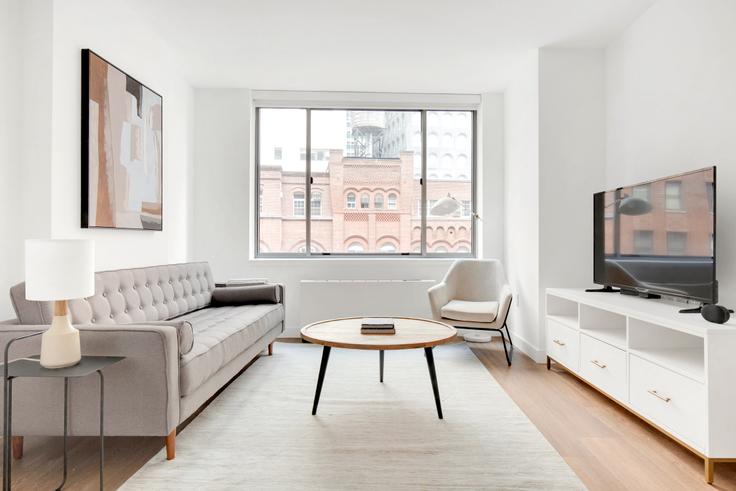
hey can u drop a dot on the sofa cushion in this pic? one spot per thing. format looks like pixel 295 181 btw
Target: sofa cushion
pixel 220 334
pixel 127 296
pixel 245 295
pixel 463 310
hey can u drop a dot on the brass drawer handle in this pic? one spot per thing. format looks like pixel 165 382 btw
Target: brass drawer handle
pixel 598 364
pixel 557 341
pixel 659 396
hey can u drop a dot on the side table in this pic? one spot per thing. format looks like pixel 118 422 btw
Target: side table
pixel 31 367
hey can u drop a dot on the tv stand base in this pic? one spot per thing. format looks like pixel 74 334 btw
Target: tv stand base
pixel 635 293
pixel 605 289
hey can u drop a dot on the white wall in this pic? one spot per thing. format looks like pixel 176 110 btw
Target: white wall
pixel 25 132
pixel 571 166
pixel 10 150
pixel 491 175
pixel 40 43
pixel 120 34
pixel 555 161
pixel 521 201
pixel 671 106
pixel 224 203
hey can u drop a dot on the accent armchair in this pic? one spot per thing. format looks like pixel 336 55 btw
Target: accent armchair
pixel 474 295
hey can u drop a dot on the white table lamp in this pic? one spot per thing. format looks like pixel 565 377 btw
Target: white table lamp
pixel 60 270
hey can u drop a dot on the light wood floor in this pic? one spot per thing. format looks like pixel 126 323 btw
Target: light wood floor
pixel 605 445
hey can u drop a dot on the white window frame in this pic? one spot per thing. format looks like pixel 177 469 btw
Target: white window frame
pixel 424 103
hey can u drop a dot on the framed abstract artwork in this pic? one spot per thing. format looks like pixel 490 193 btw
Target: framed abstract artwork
pixel 122 149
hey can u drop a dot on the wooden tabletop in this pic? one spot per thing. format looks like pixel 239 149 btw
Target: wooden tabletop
pixel 410 333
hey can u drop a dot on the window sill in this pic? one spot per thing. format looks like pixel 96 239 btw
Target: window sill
pixel 359 258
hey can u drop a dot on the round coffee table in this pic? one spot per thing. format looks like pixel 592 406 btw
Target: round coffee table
pixel 411 333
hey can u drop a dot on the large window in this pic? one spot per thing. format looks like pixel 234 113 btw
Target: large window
pixel 369 188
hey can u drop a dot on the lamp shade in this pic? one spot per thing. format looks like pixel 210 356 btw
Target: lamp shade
pixel 59 269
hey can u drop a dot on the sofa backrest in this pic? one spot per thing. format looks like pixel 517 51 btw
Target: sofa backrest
pixel 153 293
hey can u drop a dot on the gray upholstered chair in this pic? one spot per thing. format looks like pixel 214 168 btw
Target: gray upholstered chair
pixel 475 295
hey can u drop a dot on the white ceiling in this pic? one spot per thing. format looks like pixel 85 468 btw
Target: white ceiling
pixel 379 45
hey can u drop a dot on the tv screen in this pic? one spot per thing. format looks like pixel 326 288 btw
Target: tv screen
pixel 658 237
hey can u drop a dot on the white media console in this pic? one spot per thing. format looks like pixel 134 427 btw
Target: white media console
pixel 675 371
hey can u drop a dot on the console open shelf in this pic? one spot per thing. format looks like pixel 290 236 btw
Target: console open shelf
pixel 563 311
pixel 604 325
pixel 613 336
pixel 689 362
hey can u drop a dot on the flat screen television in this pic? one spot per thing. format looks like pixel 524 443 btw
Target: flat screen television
pixel 658 237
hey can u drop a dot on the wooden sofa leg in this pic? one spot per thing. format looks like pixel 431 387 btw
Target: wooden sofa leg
pixel 17 444
pixel 270 349
pixel 171 445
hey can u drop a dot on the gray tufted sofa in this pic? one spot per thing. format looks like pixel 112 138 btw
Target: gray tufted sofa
pixel 180 349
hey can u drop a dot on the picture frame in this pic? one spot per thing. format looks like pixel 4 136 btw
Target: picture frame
pixel 121 149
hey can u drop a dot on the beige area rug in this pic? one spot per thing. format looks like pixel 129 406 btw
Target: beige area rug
pixel 260 434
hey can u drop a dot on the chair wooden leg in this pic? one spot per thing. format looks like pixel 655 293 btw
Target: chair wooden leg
pixel 17 444
pixel 171 445
pixel 270 349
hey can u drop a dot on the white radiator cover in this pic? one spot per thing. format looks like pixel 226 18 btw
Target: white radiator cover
pixel 327 299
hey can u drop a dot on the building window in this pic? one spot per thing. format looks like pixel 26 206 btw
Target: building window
pixel 672 195
pixel 641 192
pixel 352 153
pixel 710 192
pixel 355 247
pixel 643 242
pixel 299 204
pixel 676 243
pixel 316 208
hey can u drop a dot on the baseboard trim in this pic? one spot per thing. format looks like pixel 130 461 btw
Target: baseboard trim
pixel 291 332
pixel 539 356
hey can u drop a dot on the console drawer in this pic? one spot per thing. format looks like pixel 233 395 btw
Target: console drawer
pixel 603 366
pixel 563 344
pixel 668 399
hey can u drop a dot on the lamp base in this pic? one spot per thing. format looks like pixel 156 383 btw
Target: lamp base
pixel 60 346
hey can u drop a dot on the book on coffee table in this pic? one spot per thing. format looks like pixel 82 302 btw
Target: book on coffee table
pixel 377 325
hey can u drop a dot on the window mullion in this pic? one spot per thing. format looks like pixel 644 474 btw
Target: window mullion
pixel 474 186
pixel 308 187
pixel 423 232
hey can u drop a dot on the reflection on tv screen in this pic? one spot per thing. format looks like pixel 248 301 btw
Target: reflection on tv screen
pixel 659 236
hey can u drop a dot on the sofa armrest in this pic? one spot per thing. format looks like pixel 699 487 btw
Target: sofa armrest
pixel 184 332
pixel 141 392
pixel 245 295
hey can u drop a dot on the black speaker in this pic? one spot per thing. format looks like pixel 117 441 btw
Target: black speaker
pixel 715 313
